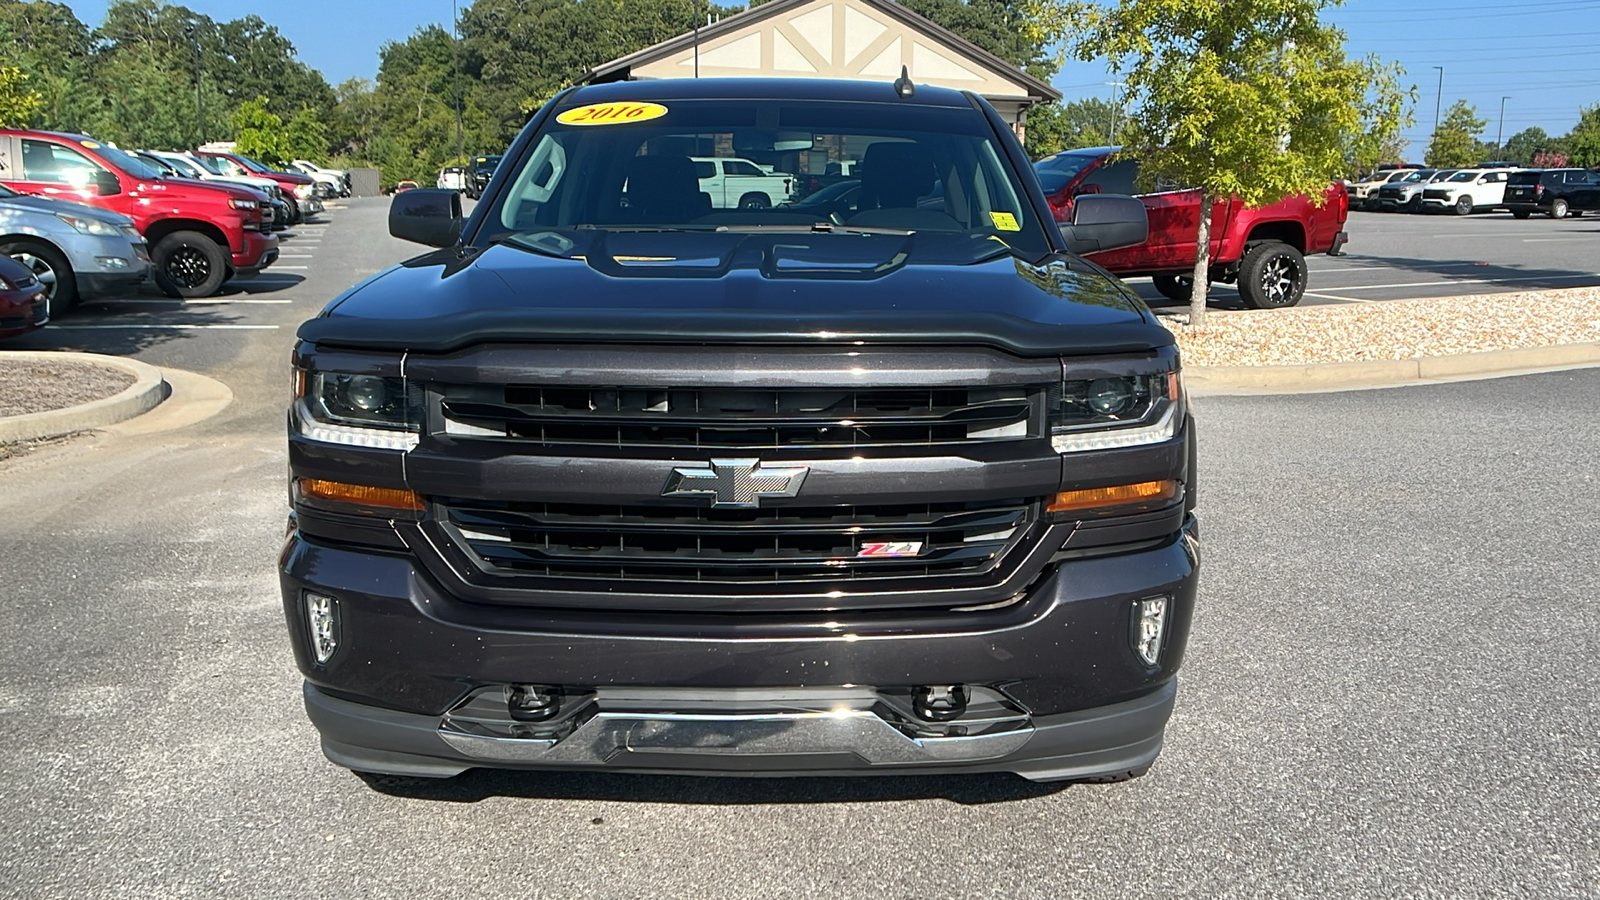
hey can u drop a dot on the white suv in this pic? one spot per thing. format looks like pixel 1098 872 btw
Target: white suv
pixel 1467 190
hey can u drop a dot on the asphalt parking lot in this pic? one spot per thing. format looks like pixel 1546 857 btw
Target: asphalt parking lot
pixel 1397 256
pixel 1388 691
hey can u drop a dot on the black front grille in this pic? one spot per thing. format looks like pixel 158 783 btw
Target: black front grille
pixel 1436 195
pixel 718 418
pixel 695 546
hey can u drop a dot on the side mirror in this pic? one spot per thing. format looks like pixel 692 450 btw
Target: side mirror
pixel 426 216
pixel 1103 222
pixel 106 183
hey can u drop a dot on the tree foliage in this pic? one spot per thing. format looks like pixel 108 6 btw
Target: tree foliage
pixel 1253 99
pixel 18 102
pixel 1091 122
pixel 1584 141
pixel 1455 144
pixel 260 133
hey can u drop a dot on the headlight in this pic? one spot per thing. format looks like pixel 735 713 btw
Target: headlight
pixel 303 191
pixel 1107 410
pixel 242 204
pixel 358 410
pixel 88 226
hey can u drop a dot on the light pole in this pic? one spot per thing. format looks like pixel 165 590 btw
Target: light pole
pixel 1436 100
pixel 1116 109
pixel 1500 132
pixel 455 76
pixel 199 101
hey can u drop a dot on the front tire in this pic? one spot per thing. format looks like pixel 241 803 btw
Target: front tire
pixel 188 264
pixel 51 268
pixel 1558 208
pixel 755 200
pixel 1463 206
pixel 1272 276
pixel 1520 214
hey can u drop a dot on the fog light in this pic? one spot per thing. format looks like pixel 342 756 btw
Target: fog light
pixel 1149 626
pixel 322 615
pixel 111 262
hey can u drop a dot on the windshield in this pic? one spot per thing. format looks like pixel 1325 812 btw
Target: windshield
pixel 183 166
pixel 1464 176
pixel 127 162
pixel 1419 175
pixel 1400 175
pixel 701 166
pixel 253 165
pixel 207 163
pixel 1442 175
pixel 1056 171
pixel 7 193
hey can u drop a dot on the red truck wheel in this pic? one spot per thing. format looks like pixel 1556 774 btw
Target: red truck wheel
pixel 1272 276
pixel 188 264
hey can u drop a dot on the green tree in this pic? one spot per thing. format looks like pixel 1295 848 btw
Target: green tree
pixel 1583 143
pixel 1455 144
pixel 305 136
pixel 1253 99
pixel 1523 146
pixel 998 26
pixel 1091 122
pixel 259 133
pixel 17 101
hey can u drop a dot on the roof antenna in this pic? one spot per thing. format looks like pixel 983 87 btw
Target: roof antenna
pixel 903 85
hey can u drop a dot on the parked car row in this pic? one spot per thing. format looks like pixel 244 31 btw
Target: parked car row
pixel 87 219
pixel 1554 192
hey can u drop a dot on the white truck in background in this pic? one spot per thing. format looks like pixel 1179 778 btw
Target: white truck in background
pixel 736 183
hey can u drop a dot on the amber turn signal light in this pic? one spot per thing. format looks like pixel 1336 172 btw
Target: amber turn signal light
pixel 1143 492
pixel 338 491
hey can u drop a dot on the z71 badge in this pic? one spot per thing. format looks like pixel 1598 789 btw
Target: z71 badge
pixel 891 548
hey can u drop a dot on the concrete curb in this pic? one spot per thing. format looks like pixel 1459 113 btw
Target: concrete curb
pixel 149 388
pixel 1347 376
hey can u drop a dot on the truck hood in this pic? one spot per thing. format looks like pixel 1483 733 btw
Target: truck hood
pixel 72 207
pixel 445 301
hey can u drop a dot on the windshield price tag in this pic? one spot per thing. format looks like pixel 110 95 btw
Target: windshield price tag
pixel 620 113
pixel 1005 221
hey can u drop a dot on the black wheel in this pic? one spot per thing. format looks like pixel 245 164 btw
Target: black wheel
pixel 188 264
pixel 1463 205
pixel 1272 276
pixel 294 209
pixel 1415 203
pixel 1174 287
pixel 754 200
pixel 1558 208
pixel 51 268
pixel 1520 214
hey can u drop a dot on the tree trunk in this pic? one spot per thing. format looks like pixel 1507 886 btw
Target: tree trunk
pixel 1202 265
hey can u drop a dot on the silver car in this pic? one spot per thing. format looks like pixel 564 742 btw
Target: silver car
pixel 75 250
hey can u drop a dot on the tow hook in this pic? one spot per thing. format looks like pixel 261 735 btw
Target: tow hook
pixel 940 703
pixel 532 703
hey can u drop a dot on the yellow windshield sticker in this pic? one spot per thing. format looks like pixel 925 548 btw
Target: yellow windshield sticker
pixel 1005 221
pixel 90 144
pixel 619 113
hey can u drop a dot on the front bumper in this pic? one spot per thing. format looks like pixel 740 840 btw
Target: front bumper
pixel 410 655
pixel 260 250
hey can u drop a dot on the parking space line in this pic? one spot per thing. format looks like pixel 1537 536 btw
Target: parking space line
pixel 1380 287
pixel 1322 296
pixel 291 267
pixel 1565 240
pixel 119 301
pixel 296 255
pixel 140 327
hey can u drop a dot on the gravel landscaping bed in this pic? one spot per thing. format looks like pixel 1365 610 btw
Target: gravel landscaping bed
pixel 1392 329
pixel 30 386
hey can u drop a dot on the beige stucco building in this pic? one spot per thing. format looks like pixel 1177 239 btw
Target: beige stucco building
pixel 856 39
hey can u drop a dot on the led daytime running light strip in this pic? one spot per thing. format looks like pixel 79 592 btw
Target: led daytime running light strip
pixel 355 436
pixel 1161 430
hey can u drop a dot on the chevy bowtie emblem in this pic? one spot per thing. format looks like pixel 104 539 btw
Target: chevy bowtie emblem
pixel 735 483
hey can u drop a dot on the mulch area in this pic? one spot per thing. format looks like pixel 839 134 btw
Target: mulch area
pixel 30 386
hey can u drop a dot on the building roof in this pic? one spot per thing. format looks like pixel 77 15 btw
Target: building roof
pixel 624 67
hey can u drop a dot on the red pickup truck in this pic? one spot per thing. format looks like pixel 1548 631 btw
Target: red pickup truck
pixel 1263 249
pixel 200 233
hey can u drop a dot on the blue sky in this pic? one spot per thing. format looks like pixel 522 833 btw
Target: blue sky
pixel 1543 54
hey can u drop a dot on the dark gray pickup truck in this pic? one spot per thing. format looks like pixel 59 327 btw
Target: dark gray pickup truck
pixel 617 480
